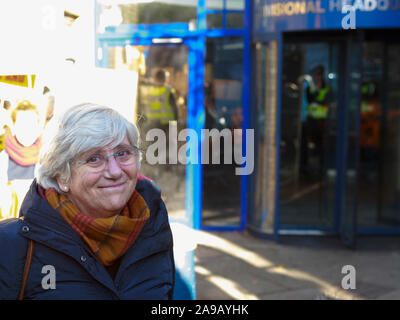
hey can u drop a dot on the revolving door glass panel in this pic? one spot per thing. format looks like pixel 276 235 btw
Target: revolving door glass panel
pixel 160 114
pixel 379 171
pixel 308 168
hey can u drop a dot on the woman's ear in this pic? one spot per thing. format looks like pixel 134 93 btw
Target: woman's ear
pixel 62 184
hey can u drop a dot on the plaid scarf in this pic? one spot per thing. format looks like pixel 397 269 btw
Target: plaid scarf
pixel 108 238
pixel 24 156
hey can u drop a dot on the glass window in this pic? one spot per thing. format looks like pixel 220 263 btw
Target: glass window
pixel 161 11
pixel 379 172
pixel 214 21
pixel 235 20
pixel 223 112
pixel 235 4
pixel 215 4
pixel 230 4
pixel 389 164
pixel 308 134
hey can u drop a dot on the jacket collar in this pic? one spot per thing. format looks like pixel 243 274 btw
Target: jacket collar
pixel 37 211
pixel 47 227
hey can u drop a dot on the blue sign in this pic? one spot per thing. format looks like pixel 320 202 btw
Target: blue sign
pixel 286 15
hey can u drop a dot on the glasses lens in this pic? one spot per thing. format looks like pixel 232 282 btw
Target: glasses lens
pixel 99 165
pixel 98 162
pixel 125 157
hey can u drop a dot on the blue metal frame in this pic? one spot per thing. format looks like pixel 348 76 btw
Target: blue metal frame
pixel 195 121
pixel 278 134
pixel 246 109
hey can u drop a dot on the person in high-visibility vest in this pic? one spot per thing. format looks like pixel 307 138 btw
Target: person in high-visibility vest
pixel 158 100
pixel 158 105
pixel 318 96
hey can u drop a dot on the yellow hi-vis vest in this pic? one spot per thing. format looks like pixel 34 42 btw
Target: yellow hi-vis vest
pixel 319 110
pixel 156 103
pixel 2 142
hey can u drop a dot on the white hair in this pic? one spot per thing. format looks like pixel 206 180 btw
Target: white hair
pixel 81 128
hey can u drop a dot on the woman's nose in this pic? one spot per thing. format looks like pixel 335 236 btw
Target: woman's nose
pixel 112 167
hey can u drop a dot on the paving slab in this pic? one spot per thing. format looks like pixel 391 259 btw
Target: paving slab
pixel 237 265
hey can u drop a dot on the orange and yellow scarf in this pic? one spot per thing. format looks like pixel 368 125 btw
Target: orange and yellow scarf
pixel 24 156
pixel 108 238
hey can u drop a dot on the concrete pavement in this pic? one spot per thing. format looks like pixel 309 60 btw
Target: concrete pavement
pixel 237 265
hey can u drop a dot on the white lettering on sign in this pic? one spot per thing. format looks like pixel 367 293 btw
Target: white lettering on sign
pixel 290 8
pixel 369 5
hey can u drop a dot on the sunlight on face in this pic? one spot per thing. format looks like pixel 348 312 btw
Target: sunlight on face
pixel 103 193
pixel 27 127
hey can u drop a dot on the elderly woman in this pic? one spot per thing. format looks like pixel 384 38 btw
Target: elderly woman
pixel 92 228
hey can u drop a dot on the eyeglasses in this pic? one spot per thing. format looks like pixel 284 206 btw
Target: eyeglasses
pixel 97 161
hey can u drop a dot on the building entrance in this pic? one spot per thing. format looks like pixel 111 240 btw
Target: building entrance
pixel 340 129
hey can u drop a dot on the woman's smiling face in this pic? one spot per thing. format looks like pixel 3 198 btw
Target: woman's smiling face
pixel 102 193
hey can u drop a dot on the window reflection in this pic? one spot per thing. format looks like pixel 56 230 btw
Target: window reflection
pixel 146 12
pixel 379 137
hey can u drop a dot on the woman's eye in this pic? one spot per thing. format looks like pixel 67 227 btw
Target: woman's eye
pixel 122 153
pixel 93 159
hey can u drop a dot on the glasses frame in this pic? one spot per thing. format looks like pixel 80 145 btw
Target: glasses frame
pixel 135 151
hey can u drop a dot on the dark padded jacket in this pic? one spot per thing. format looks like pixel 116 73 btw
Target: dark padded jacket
pixel 146 270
